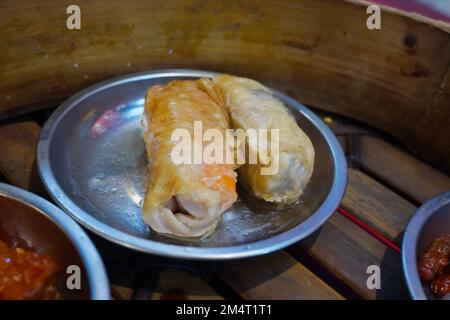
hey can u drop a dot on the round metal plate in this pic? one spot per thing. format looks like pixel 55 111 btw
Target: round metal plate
pixel 92 160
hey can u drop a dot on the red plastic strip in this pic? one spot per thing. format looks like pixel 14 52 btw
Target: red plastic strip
pixel 368 229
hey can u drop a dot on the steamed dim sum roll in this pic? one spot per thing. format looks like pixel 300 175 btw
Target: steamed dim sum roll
pixel 253 106
pixel 184 200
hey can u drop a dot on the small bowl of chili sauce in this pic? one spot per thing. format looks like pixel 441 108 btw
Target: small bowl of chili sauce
pixel 44 254
pixel 426 250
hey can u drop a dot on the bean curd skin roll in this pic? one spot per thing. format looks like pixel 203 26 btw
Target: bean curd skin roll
pixel 184 200
pixel 253 106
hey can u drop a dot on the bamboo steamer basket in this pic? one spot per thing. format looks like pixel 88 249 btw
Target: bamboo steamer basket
pixel 319 52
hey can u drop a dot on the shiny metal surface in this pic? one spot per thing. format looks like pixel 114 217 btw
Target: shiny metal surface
pixel 431 220
pixel 92 160
pixel 34 223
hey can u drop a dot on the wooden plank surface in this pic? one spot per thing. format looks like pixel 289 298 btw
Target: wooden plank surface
pixel 401 170
pixel 351 248
pixel 170 284
pixel 385 210
pixel 347 251
pixel 431 129
pixel 274 276
pixel 376 205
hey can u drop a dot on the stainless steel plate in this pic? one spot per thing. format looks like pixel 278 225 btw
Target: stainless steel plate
pixel 92 160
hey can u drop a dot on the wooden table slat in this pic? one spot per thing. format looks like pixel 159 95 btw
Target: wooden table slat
pixel 379 207
pixel 347 251
pixel 274 276
pixel 401 170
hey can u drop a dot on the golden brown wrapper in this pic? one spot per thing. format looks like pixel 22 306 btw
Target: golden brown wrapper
pixel 253 106
pixel 184 200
